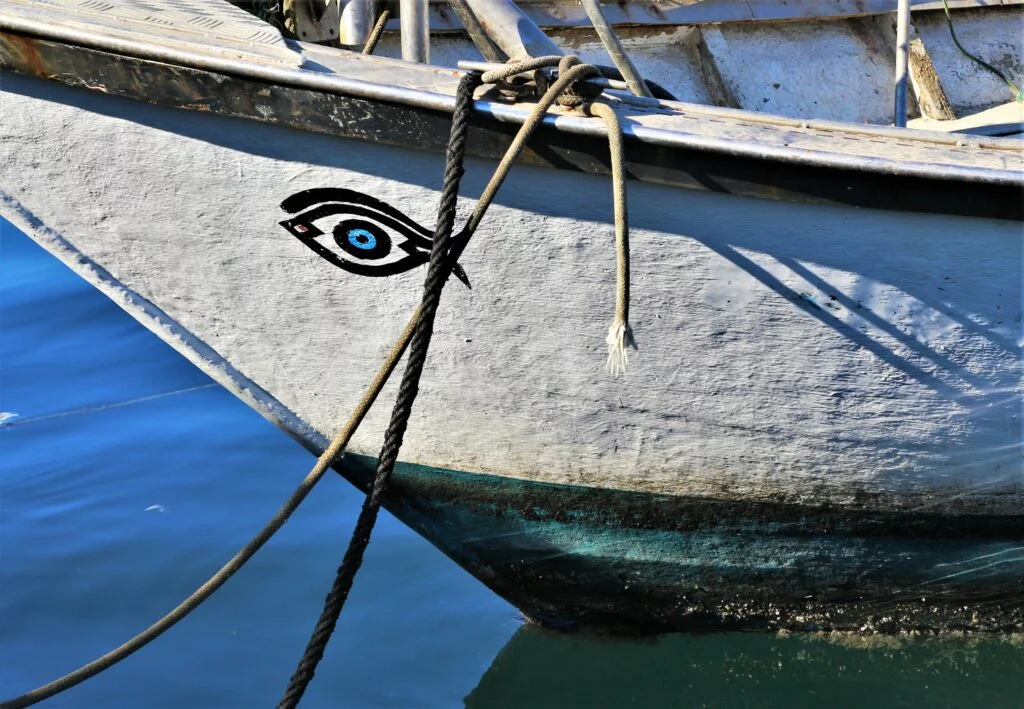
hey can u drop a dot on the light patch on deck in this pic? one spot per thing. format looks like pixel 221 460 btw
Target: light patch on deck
pixel 217 27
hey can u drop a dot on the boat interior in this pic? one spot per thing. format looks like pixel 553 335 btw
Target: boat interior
pixel 834 60
pixel 952 66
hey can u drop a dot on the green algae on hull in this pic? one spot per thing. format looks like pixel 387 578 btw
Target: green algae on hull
pixel 571 556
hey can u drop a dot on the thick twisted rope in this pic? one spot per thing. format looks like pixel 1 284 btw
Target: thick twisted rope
pixel 437 274
pixel 565 80
pixel 442 259
pixel 520 67
pixel 377 32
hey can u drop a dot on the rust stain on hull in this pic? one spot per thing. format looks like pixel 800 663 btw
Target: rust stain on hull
pixel 20 53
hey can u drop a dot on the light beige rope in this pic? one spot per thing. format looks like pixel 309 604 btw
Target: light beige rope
pixel 377 32
pixel 565 80
pixel 620 334
pixel 520 67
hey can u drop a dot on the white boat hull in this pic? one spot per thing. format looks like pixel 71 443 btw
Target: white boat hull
pixel 799 353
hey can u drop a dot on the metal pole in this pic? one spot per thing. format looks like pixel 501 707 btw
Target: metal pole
pixel 614 47
pixel 902 60
pixel 357 20
pixel 414 17
pixel 514 33
pixel 484 44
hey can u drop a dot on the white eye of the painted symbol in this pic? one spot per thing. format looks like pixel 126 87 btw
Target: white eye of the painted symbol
pixel 356 232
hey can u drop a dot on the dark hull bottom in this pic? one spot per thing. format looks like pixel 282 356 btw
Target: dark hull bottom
pixel 570 556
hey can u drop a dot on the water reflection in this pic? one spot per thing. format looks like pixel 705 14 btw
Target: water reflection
pixel 539 668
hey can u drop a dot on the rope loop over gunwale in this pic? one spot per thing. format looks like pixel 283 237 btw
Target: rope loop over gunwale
pixel 444 255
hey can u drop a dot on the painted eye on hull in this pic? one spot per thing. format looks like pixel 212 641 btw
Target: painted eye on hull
pixel 358 233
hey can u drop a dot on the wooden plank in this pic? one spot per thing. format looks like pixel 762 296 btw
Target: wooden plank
pixel 927 85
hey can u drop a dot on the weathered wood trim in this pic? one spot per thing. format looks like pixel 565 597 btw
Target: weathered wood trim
pixel 714 167
pixel 721 93
pixel 812 141
pixel 926 83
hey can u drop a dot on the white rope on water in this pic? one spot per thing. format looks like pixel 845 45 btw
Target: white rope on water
pixel 10 420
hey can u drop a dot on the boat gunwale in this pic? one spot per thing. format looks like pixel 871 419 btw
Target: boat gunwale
pixel 335 83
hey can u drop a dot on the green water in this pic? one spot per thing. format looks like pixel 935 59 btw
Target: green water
pixel 541 669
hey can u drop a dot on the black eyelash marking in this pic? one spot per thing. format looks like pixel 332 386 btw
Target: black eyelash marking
pixel 366 238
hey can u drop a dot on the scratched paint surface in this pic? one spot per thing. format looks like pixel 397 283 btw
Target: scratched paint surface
pixel 129 479
pixel 808 352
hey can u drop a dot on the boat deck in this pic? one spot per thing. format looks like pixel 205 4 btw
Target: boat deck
pixel 218 37
pixel 202 26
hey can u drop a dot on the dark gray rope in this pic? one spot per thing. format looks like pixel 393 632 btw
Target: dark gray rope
pixel 437 275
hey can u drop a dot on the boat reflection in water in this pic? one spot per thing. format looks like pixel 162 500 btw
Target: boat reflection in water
pixel 540 668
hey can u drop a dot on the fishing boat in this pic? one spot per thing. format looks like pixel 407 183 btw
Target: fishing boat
pixel 820 426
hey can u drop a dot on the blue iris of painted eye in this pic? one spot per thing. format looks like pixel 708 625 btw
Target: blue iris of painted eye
pixel 364 240
pixel 361 239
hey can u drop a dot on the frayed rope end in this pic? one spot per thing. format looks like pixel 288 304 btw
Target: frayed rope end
pixel 620 337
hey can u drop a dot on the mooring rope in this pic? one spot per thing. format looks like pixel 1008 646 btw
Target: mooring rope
pixel 417 333
pixel 437 275
pixel 442 259
pixel 11 420
pixel 377 32
pixel 238 560
pixel 620 334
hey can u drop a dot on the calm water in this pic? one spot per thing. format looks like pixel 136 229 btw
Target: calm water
pixel 127 478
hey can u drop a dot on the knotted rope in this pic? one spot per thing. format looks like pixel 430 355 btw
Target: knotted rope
pixel 442 259
pixel 571 91
pixel 445 253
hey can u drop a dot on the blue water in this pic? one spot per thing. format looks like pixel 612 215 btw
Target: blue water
pixel 127 477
